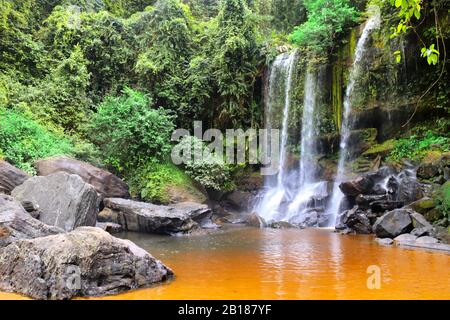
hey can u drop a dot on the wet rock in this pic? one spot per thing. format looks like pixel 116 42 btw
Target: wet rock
pixel 359 185
pixel 409 190
pixel 385 205
pixel 433 215
pixel 151 218
pixel 254 220
pixel 406 237
pixel 10 177
pixel 393 223
pixel 427 170
pixel 104 182
pixel 423 205
pixel 364 201
pixel 426 240
pixel 384 241
pixel 17 224
pixel 281 225
pixel 64 200
pixel 109 227
pixel 84 262
pixel 356 220
pixel 239 199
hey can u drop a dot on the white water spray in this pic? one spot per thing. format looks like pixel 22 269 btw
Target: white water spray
pixel 372 23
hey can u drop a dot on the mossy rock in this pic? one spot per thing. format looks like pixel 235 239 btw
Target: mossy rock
pixel 382 149
pixel 423 205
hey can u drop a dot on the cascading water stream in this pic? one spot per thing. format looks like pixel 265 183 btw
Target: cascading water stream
pixel 344 153
pixel 295 188
pixel 282 66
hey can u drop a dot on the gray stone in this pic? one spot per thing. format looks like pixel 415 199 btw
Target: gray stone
pixel 151 218
pixel 17 224
pixel 359 185
pixel 239 199
pixel 85 262
pixel 419 221
pixel 109 227
pixel 393 223
pixel 406 237
pixel 418 232
pixel 104 182
pixel 254 220
pixel 64 200
pixel 384 241
pixel 10 177
pixel 426 240
pixel 356 220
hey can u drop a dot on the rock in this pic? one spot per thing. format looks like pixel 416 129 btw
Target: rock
pixel 151 218
pixel 419 221
pixel 109 227
pixel 426 240
pixel 364 201
pixel 10 177
pixel 427 170
pixel 393 223
pixel 419 232
pixel 360 185
pixel 356 220
pixel 239 199
pixel 281 225
pixel 433 215
pixel 17 224
pixel 406 237
pixel 31 208
pixel 104 182
pixel 255 220
pixel 64 200
pixel 423 205
pixel 384 241
pixel 307 219
pixel 409 190
pixel 85 262
pixel 385 205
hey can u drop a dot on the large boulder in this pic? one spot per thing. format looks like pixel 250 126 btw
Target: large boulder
pixel 393 223
pixel 354 219
pixel 151 218
pixel 84 262
pixel 17 224
pixel 409 190
pixel 64 200
pixel 10 177
pixel 359 185
pixel 239 199
pixel 106 183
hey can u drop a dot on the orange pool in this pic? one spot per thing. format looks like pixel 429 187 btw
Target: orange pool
pixel 248 263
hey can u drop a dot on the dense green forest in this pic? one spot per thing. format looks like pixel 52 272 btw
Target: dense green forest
pixel 107 81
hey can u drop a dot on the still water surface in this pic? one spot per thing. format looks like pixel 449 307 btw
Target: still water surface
pixel 250 263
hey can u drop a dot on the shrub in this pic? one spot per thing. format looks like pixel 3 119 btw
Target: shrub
pixel 416 147
pixel 326 20
pixel 443 200
pixel 128 132
pixel 210 171
pixel 22 140
pixel 152 182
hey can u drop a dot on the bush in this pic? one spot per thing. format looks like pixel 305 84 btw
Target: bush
pixel 22 140
pixel 210 171
pixel 326 20
pixel 416 147
pixel 153 181
pixel 443 200
pixel 128 132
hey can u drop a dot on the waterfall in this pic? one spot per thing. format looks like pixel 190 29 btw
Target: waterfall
pixel 283 67
pixel 295 189
pixel 346 127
